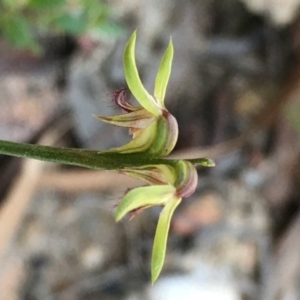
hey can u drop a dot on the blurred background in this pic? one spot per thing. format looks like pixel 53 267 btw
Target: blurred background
pixel 235 91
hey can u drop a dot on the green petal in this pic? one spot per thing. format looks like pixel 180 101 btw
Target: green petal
pixel 166 137
pixel 161 236
pixel 144 197
pixel 136 119
pixel 187 178
pixel 153 174
pixel 163 74
pixel 142 141
pixel 133 79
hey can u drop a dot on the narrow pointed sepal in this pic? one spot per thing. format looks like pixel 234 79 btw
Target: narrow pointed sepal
pixel 133 79
pixel 137 119
pixel 161 237
pixel 163 75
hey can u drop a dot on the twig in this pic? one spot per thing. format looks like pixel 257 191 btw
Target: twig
pixel 75 181
pixel 17 201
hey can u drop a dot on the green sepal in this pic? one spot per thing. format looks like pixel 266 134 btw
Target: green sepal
pixel 187 178
pixel 133 79
pixel 163 74
pixel 161 237
pixel 143 197
pixel 142 141
pixel 137 119
pixel 153 174
pixel 166 137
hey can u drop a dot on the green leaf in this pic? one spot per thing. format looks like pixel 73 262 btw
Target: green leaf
pixel 46 4
pixel 17 31
pixel 14 4
pixel 143 197
pixel 133 79
pixel 71 23
pixel 163 74
pixel 108 29
pixel 95 11
pixel 161 237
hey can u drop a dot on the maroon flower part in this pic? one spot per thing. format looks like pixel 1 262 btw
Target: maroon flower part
pixel 119 98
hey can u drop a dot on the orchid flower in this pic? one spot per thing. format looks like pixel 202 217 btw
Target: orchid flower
pixel 154 130
pixel 154 133
pixel 169 186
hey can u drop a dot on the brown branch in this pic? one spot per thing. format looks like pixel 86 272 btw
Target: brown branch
pixel 75 181
pixel 18 199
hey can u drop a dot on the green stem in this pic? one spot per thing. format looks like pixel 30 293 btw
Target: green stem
pixel 79 157
pixel 88 158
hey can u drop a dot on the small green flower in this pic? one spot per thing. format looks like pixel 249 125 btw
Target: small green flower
pixel 154 130
pixel 170 185
pixel 154 134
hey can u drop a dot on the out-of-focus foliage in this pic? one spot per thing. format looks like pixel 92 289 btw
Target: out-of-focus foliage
pixel 22 22
pixel 292 114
